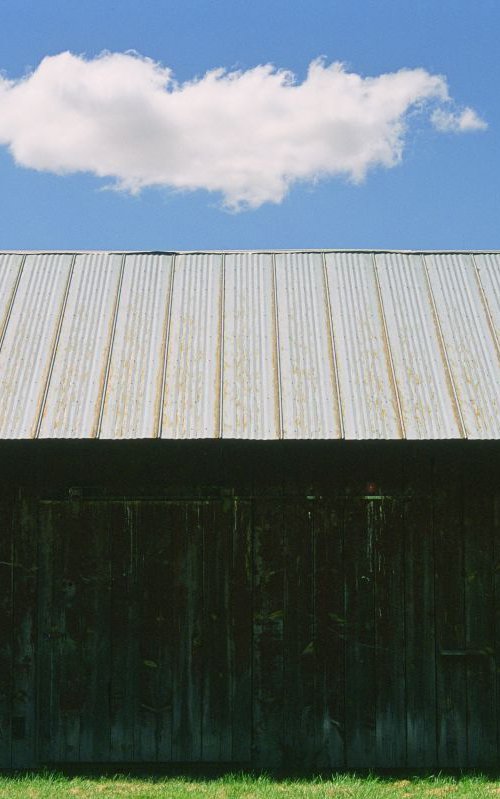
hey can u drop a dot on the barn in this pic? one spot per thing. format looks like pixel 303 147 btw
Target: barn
pixel 250 508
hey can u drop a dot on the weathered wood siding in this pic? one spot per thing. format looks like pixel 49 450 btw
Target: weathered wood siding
pixel 332 606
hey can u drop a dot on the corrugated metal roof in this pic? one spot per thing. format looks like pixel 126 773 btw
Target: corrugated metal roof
pixel 250 345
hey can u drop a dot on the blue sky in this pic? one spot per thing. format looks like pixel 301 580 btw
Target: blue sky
pixel 443 194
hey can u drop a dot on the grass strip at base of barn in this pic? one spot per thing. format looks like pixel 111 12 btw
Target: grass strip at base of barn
pixel 50 785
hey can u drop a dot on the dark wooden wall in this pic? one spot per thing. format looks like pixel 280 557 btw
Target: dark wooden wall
pixel 292 605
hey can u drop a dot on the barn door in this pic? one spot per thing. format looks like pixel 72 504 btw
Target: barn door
pixel 18 579
pixel 466 535
pixel 298 634
pixel 375 721
pixel 76 626
pixel 144 631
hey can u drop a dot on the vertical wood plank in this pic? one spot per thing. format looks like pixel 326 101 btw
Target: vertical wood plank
pixel 387 520
pixel 268 592
pixel 480 611
pixel 420 641
pixel 160 524
pixel 25 542
pixel 6 579
pixel 124 632
pixel 95 576
pixel 67 679
pixel 70 599
pixel 299 743
pixel 450 619
pixel 45 704
pixel 496 590
pixel 241 611
pixel 149 545
pixel 217 666
pixel 167 521
pixel 359 541
pixel 187 644
pixel 330 624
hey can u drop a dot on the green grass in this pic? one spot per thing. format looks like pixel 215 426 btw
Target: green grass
pixel 236 786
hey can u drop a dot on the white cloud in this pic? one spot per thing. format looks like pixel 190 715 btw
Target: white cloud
pixel 457 121
pixel 246 134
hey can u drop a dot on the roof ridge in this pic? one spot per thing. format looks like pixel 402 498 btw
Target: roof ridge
pixel 255 251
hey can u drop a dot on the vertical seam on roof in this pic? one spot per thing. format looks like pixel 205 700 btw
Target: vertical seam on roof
pixel 486 305
pixel 334 348
pixel 221 344
pixel 165 351
pixel 443 348
pixel 12 300
pixel 110 349
pixel 277 344
pixel 54 349
pixel 389 351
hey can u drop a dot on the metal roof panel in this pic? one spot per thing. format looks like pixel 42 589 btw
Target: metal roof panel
pixel 77 382
pixel 10 272
pixel 135 380
pixel 369 401
pixel 191 407
pixel 468 341
pixel 308 394
pixel 488 273
pixel 29 341
pixel 250 382
pixel 425 393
